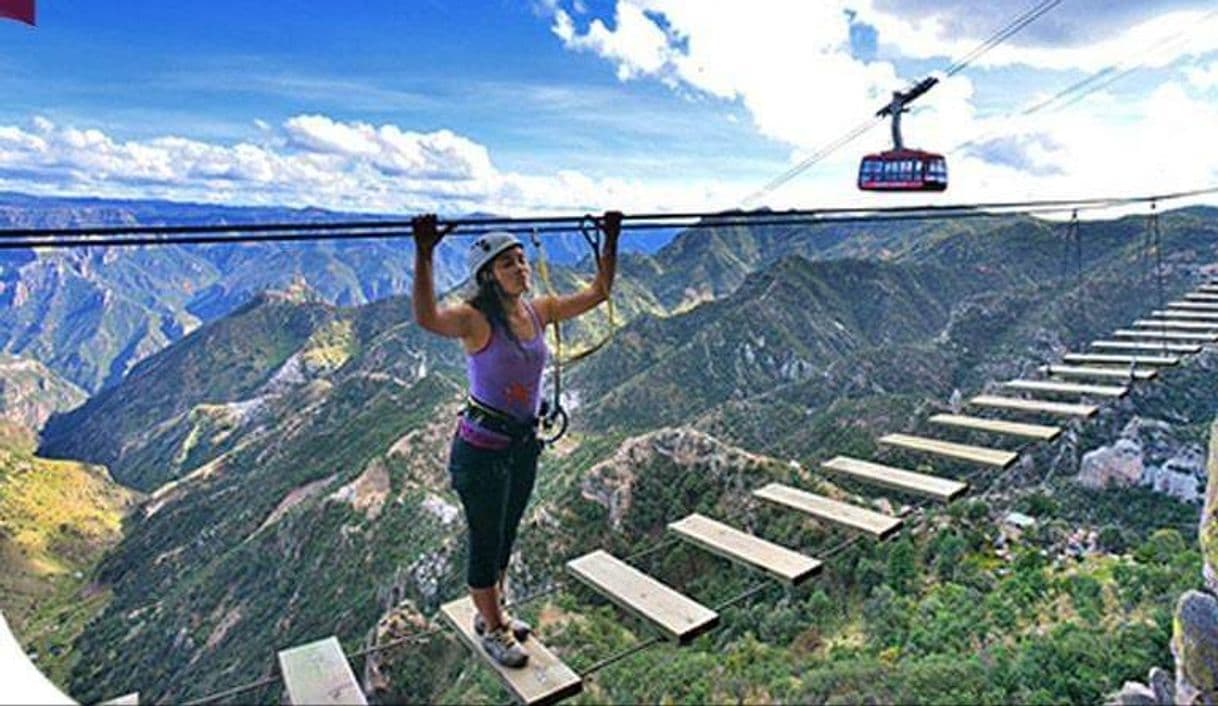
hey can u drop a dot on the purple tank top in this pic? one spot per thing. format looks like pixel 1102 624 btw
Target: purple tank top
pixel 507 375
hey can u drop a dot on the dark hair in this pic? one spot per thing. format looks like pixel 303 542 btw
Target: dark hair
pixel 488 299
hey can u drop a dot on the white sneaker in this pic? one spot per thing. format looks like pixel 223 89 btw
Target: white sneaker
pixel 502 646
pixel 520 629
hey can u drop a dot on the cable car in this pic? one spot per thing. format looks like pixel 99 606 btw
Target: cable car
pixel 901 168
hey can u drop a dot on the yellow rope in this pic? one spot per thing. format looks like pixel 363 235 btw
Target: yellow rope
pixel 543 271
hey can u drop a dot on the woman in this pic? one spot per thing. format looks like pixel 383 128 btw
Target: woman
pixel 493 459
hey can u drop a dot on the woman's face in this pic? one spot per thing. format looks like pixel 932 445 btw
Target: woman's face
pixel 511 270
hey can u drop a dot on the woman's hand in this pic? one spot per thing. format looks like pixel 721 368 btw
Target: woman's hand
pixel 426 235
pixel 611 225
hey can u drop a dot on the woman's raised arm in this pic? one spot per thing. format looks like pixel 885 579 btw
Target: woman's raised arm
pixel 450 322
pixel 560 308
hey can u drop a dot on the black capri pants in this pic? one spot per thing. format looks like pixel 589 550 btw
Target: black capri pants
pixel 494 487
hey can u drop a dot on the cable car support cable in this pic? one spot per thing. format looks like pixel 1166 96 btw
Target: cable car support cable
pixel 1015 25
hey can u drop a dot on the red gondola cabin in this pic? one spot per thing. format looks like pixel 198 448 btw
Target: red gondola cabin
pixel 903 170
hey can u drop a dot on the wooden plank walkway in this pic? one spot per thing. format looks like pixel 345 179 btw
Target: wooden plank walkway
pixel 319 673
pixel 1067 388
pixel 1147 346
pixel 784 564
pixel 834 511
pixel 1039 432
pixel 1169 335
pixel 1176 323
pixel 543 680
pixel 941 489
pixel 963 452
pixel 1103 373
pixel 1060 409
pixel 1115 359
pixel 1198 306
pixel 1185 314
pixel 678 616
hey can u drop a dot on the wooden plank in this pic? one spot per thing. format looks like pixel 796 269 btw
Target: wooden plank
pixel 1161 346
pixel 1208 288
pixel 1060 409
pixel 1169 335
pixel 1185 314
pixel 964 452
pixel 839 513
pixel 1116 359
pixel 998 426
pixel 1201 297
pixel 1104 373
pixel 678 616
pixel 319 673
pixel 1199 306
pixel 1067 388
pixel 1177 324
pixel 784 564
pixel 543 680
pixel 941 489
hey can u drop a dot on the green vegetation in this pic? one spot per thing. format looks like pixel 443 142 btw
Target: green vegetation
pixel 56 520
pixel 888 624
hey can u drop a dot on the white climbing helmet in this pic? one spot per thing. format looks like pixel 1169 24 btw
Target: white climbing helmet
pixel 487 247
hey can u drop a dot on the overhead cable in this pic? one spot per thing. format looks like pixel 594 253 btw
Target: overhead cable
pixel 383 230
pixel 1102 78
pixel 1027 18
pixel 1018 23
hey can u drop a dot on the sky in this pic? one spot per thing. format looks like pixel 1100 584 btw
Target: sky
pixel 564 106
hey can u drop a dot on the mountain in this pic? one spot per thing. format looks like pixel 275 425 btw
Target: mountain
pixel 91 314
pixel 30 392
pixel 294 457
pixel 199 398
pixel 951 313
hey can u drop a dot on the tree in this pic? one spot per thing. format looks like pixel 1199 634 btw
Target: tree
pixel 1111 539
pixel 902 565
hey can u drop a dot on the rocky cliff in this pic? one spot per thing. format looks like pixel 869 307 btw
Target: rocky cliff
pixel 1194 643
pixel 30 392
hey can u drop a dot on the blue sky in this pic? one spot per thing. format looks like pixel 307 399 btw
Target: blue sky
pixel 559 105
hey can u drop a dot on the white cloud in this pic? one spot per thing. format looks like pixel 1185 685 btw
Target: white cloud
pixel 439 155
pixel 791 65
pixel 1103 147
pixel 787 62
pixel 321 162
pixel 638 45
pixel 1156 41
pixel 1203 77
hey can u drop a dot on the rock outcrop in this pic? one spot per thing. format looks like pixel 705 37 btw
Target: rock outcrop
pixel 610 483
pixel 1117 465
pixel 1194 644
pixel 30 392
pixel 1147 453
